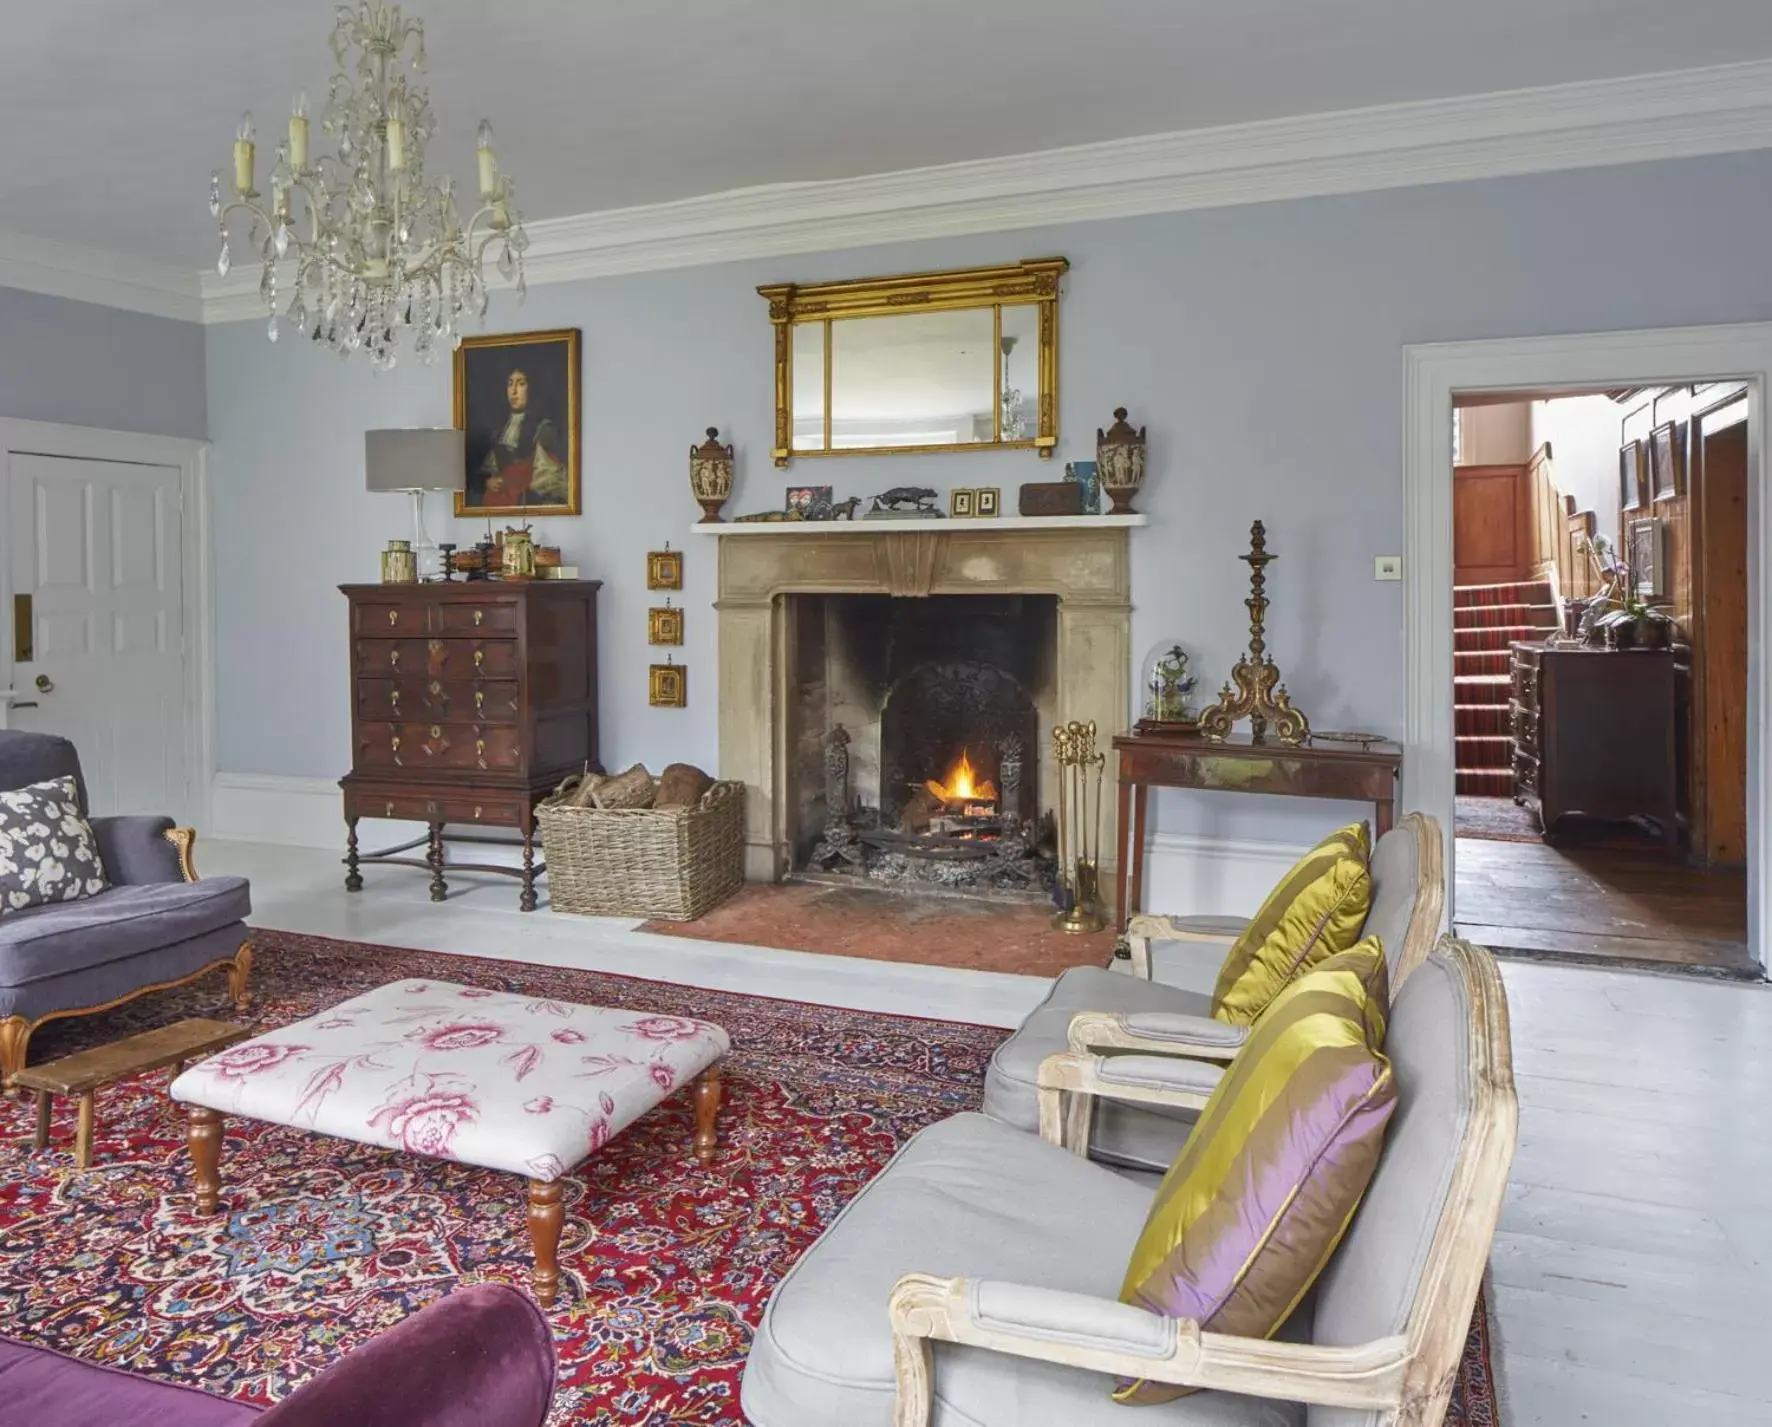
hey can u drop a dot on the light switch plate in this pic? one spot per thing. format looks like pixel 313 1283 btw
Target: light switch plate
pixel 1387 567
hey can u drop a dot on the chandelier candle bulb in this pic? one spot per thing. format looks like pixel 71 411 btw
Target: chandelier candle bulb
pixel 488 162
pixel 298 133
pixel 396 143
pixel 243 151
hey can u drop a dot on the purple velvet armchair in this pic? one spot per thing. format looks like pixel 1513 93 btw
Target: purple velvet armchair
pixel 154 927
pixel 482 1357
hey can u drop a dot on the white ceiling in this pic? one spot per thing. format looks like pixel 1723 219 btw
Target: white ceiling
pixel 116 110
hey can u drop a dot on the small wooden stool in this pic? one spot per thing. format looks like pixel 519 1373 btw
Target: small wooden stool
pixel 91 1070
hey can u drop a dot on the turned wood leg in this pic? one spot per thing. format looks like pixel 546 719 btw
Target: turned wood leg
pixel 41 1139
pixel 205 1135
pixel 1387 813
pixel 353 878
pixel 546 1215
pixel 240 978
pixel 434 856
pixel 83 1134
pixel 527 901
pixel 1135 886
pixel 15 1036
pixel 707 1109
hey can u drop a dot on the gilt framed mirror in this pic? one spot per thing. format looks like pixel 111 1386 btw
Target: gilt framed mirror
pixel 941 361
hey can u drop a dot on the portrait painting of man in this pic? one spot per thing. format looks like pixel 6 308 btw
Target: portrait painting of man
pixel 517 398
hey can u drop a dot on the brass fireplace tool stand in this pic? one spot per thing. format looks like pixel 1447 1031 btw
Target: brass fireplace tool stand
pixel 1079 829
pixel 1259 696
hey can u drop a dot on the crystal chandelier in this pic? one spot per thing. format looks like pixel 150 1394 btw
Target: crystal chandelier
pixel 374 247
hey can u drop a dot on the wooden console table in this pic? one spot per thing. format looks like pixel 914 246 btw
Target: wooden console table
pixel 1349 772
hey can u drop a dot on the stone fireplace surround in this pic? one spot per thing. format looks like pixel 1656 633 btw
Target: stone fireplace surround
pixel 1084 562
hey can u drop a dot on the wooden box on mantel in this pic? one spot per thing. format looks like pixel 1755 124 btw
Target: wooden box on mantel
pixel 1052 498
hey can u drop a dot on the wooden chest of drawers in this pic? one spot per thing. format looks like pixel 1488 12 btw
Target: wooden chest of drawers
pixel 1594 733
pixel 470 702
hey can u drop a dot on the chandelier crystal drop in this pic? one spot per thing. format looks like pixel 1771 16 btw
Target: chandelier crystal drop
pixel 373 246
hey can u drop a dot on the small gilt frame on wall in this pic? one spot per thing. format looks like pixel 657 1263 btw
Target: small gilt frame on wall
pixel 1666 466
pixel 664 625
pixel 667 686
pixel 1633 487
pixel 664 569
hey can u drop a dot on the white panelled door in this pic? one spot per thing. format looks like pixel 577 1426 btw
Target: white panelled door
pixel 96 549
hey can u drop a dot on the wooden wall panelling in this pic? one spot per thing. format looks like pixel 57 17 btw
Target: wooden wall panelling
pixel 1545 510
pixel 1717 471
pixel 1491 524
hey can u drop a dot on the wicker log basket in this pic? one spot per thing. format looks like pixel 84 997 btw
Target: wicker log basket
pixel 671 863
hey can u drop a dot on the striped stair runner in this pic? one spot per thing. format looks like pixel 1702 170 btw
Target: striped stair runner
pixel 1486 620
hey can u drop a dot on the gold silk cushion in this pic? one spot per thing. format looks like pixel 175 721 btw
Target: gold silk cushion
pixel 1264 1188
pixel 1317 910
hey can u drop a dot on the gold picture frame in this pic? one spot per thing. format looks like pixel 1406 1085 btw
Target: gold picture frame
pixel 667 686
pixel 664 569
pixel 664 625
pixel 1633 476
pixel 988 502
pixel 1667 477
pixel 520 469
pixel 961 503
pixel 1028 291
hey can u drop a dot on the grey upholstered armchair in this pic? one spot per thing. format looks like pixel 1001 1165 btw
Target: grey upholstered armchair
pixel 975 1280
pixel 156 925
pixel 1091 1007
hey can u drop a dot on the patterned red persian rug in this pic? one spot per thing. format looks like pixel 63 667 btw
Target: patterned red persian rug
pixel 323 1243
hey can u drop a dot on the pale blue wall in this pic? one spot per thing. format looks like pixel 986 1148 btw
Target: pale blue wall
pixel 1262 345
pixel 86 365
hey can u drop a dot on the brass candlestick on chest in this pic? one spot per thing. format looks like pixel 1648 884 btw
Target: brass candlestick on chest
pixel 1257 695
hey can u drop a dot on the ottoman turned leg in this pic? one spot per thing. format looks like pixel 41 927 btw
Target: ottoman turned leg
pixel 205 1135
pixel 546 1215
pixel 707 1108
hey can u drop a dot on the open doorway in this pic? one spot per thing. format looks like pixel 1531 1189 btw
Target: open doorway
pixel 1600 680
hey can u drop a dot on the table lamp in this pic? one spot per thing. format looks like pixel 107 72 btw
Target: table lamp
pixel 415 461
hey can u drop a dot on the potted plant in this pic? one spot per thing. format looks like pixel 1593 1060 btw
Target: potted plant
pixel 1635 623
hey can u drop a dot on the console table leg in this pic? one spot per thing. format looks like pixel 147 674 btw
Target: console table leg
pixel 546 1214
pixel 1387 812
pixel 1122 853
pixel 434 856
pixel 707 1110
pixel 527 901
pixel 1135 894
pixel 353 878
pixel 205 1136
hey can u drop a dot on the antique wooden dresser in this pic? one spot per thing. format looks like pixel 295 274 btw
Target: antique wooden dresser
pixel 1595 732
pixel 470 702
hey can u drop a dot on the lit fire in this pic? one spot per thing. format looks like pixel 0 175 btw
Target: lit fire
pixel 964 786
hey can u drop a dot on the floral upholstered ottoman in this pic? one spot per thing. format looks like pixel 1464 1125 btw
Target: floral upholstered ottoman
pixel 514 1083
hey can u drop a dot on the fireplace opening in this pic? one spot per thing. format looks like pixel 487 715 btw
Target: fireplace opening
pixel 916 728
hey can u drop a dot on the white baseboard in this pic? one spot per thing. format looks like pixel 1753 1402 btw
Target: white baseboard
pixel 1188 875
pixel 308 812
pixel 1185 874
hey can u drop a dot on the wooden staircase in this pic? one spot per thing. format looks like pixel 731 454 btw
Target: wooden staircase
pixel 1486 620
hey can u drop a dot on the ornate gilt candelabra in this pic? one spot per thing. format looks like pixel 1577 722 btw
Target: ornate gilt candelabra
pixel 1080 772
pixel 1258 696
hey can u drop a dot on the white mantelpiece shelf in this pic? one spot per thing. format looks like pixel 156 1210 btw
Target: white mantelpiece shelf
pixel 955 525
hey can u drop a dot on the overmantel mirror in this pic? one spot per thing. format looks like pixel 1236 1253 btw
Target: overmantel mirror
pixel 942 361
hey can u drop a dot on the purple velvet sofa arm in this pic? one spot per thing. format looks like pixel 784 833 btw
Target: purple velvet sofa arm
pixel 482 1357
pixel 135 850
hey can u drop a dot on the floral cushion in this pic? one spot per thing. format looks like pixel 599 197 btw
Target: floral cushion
pixel 47 850
pixel 507 1082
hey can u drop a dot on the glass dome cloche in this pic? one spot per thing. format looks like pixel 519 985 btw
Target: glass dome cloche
pixel 1166 690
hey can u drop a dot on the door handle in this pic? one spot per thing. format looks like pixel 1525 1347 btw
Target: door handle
pixel 44 684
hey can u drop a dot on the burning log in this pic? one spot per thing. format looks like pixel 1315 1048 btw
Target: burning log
pixel 920 809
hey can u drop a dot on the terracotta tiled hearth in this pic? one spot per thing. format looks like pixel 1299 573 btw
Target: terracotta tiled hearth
pixel 1085 565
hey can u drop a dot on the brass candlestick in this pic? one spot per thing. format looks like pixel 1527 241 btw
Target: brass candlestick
pixel 1259 696
pixel 1079 831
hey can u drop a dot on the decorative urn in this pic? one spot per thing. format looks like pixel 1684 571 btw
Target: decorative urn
pixel 710 475
pixel 1119 459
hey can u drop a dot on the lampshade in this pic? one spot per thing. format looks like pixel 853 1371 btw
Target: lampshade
pixel 422 459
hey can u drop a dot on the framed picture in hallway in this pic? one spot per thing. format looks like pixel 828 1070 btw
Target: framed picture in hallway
pixel 1633 485
pixel 1667 461
pixel 517 398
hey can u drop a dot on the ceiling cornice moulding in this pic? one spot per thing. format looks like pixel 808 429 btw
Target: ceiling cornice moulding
pixel 94 275
pixel 1680 114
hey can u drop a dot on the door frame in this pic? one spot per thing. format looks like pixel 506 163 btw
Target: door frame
pixel 1432 373
pixel 44 438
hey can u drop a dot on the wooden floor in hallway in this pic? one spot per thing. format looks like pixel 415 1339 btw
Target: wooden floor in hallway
pixel 1617 906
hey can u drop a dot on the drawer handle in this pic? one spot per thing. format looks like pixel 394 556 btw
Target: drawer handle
pixel 479 616
pixel 479 699
pixel 480 753
pixel 396 749
pixel 436 645
pixel 394 699
pixel 436 732
pixel 479 658
pixel 476 812
pixel 390 810
pixel 393 616
pixel 436 686
pixel 394 657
